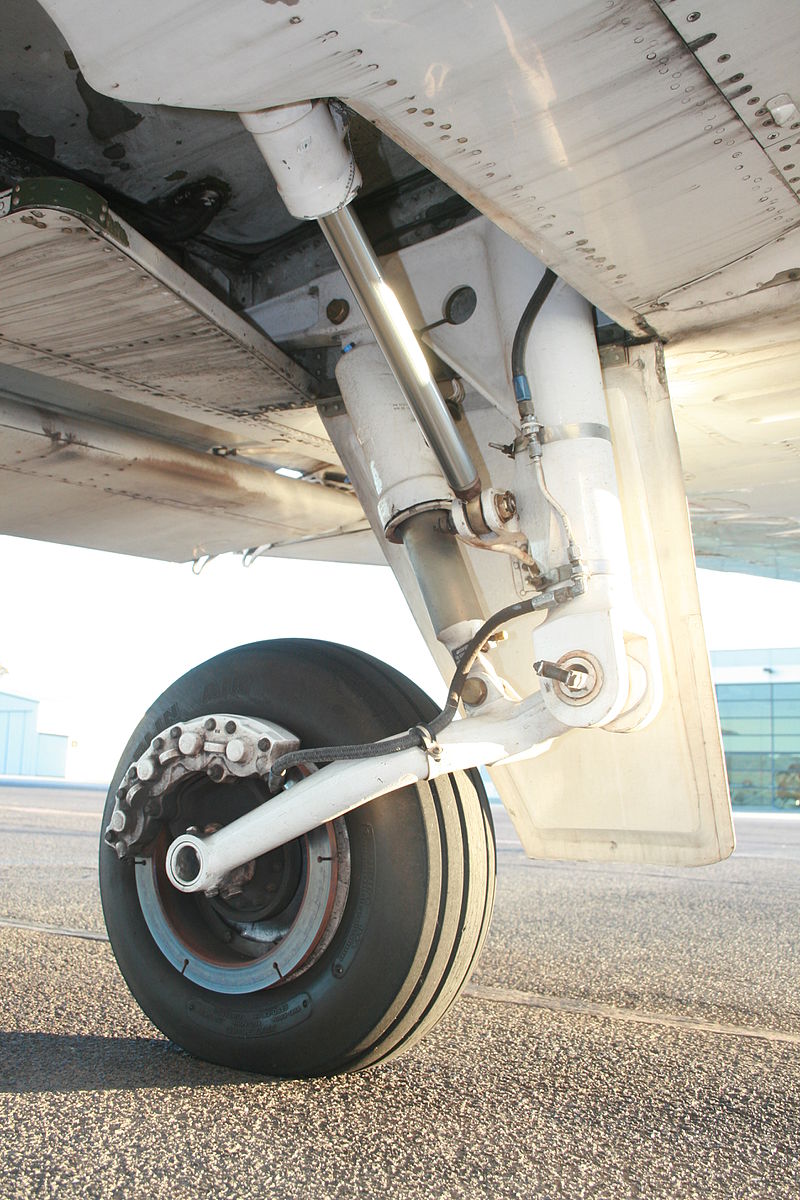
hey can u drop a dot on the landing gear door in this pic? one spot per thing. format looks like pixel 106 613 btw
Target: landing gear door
pixel 660 794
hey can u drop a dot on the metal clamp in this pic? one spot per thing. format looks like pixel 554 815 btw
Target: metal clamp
pixel 429 743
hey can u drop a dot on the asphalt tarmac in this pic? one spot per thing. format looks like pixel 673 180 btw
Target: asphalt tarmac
pixel 629 1032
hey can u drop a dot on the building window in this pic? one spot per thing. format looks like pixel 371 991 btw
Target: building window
pixel 760 725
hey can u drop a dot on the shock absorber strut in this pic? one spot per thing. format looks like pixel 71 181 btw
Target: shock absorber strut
pixel 306 148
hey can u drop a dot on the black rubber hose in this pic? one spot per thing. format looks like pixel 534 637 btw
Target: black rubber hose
pixel 421 734
pixel 522 389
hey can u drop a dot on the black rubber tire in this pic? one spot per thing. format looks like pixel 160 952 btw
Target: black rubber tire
pixel 421 888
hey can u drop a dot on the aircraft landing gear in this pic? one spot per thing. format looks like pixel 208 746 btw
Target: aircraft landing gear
pixel 333 952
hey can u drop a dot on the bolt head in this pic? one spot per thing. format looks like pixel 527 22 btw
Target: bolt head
pixel 189 743
pixel 146 768
pixel 230 727
pixel 216 772
pixel 211 724
pixel 175 732
pixel 474 692
pixel 337 311
pixel 264 744
pixel 236 748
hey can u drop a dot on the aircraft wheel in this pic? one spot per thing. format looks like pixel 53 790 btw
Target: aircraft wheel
pixel 345 946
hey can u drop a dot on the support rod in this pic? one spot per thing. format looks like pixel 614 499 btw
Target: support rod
pixel 398 342
pixel 196 863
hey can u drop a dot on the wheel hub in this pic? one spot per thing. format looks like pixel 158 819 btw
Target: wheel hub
pixel 270 918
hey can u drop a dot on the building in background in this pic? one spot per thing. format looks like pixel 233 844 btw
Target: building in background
pixel 23 750
pixel 758 693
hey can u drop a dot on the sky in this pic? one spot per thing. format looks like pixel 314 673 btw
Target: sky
pixel 95 637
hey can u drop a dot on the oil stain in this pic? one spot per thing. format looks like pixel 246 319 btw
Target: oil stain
pixel 11 128
pixel 106 118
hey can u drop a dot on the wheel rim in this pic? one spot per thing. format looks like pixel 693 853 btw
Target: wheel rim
pixel 274 928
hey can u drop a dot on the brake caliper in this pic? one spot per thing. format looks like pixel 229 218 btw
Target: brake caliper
pixel 222 746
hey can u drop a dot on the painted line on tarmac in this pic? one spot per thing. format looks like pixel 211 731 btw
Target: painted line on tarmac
pixel 57 930
pixel 613 1013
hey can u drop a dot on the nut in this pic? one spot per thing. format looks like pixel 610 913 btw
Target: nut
pixel 505 504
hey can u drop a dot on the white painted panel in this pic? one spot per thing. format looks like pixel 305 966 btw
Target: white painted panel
pixel 585 128
pixel 659 794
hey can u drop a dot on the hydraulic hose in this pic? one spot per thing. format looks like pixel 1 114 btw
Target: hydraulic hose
pixel 522 389
pixel 421 735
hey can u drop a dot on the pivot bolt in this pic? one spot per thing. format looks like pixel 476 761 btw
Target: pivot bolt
pixel 474 692
pixel 216 772
pixel 506 506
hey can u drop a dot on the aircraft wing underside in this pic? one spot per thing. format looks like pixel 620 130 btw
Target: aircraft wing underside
pixel 648 152
pixel 139 413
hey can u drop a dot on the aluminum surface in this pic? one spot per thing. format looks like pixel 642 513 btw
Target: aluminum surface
pixel 607 150
pixel 398 342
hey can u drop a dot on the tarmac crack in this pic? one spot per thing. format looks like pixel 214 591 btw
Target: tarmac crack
pixel 88 935
pixel 587 1008
pixel 497 995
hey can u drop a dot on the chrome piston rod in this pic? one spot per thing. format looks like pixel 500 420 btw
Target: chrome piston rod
pixel 399 344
